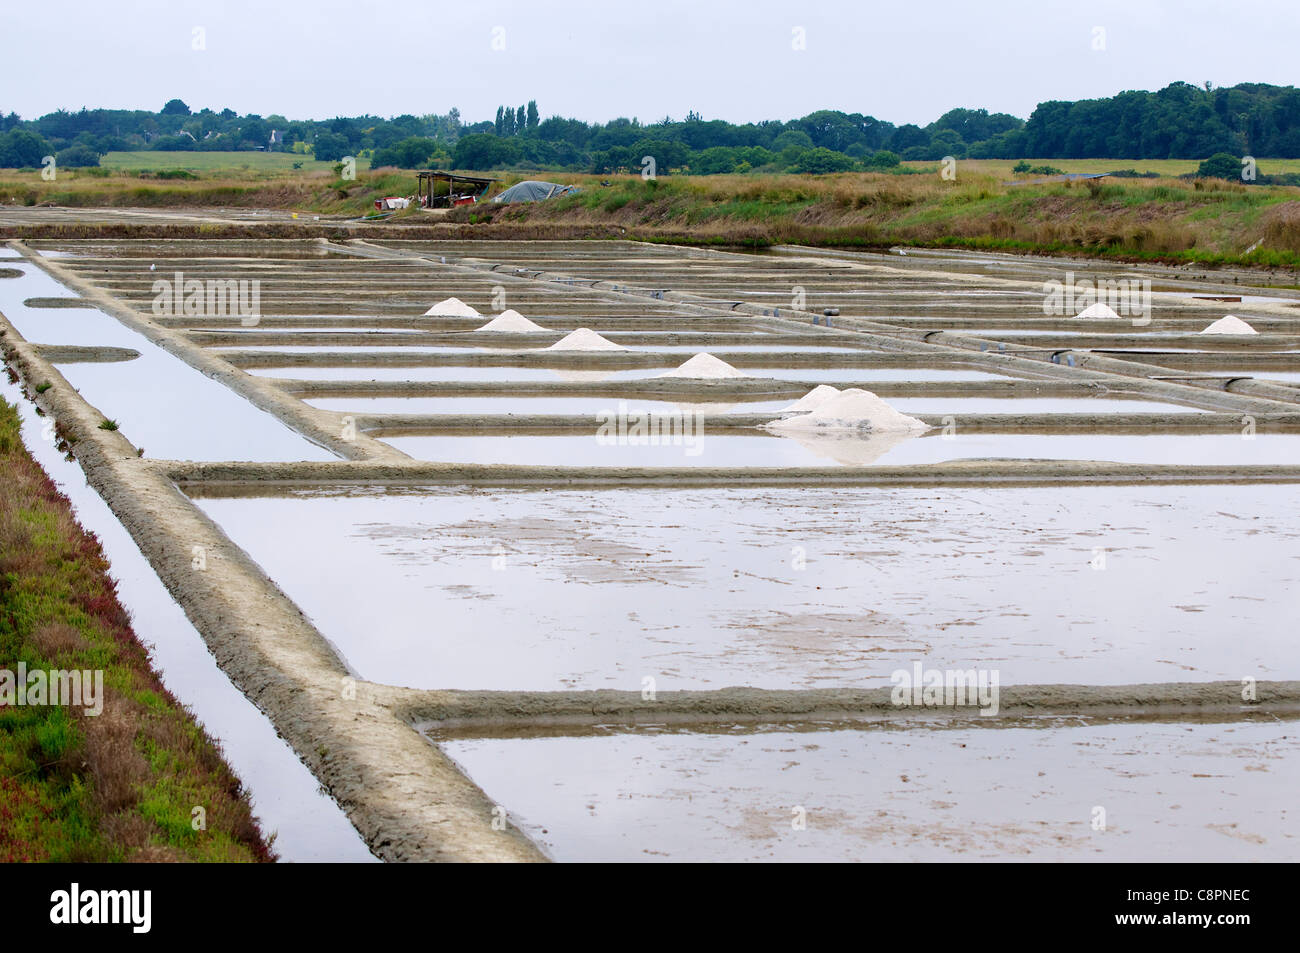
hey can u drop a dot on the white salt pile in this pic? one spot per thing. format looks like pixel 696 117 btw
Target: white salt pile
pixel 1230 324
pixel 813 399
pixel 852 409
pixel 1098 312
pixel 512 322
pixel 452 308
pixel 704 367
pixel 584 339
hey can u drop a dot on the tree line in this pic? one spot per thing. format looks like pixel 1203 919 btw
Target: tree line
pixel 1181 121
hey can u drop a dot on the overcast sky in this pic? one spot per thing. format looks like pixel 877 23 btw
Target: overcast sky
pixel 899 61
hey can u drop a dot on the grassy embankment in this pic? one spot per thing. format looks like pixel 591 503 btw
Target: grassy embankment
pixel 1210 222
pixel 120 785
pixel 1159 219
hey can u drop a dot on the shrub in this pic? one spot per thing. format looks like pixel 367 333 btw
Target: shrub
pixel 77 156
pixel 1221 165
pixel 820 161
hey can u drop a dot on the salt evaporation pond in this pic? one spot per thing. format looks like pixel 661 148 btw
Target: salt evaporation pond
pixel 704 449
pixel 160 403
pixel 363 372
pixel 535 405
pixel 785 588
pixel 1178 791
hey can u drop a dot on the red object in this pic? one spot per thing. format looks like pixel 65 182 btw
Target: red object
pixel 465 201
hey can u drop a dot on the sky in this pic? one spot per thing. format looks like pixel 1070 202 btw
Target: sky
pixel 739 61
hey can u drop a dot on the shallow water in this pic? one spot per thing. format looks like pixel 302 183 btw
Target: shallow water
pixel 786 588
pixel 472 373
pixel 159 402
pixel 598 405
pixel 807 450
pixel 507 345
pixel 1180 792
pixel 535 405
pixel 1291 377
pixel 296 329
pixel 832 374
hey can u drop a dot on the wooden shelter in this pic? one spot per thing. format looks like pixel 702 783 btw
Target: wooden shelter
pixel 447 189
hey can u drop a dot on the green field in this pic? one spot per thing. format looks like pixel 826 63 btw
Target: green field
pixel 217 161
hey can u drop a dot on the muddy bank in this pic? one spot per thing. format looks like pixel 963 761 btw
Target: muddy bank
pixel 502 714
pixel 272 478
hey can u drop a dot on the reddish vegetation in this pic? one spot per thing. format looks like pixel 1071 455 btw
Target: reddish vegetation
pixel 120 785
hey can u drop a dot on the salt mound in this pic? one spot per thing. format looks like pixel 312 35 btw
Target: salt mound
pixel 452 308
pixel 512 322
pixel 1098 312
pixel 852 409
pixel 1230 324
pixel 813 399
pixel 704 366
pixel 584 339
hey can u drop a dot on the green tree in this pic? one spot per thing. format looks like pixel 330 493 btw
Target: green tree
pixel 77 156
pixel 716 160
pixel 21 149
pixel 174 144
pixel 484 151
pixel 975 125
pixel 413 152
pixel 331 146
pixel 533 118
pixel 667 155
pixel 792 137
pixel 883 159
pixel 1221 165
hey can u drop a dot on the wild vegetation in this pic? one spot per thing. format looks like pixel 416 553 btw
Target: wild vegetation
pixel 141 780
pixel 1202 220
pixel 1160 211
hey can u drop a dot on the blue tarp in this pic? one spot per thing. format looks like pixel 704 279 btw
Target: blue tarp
pixel 533 191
